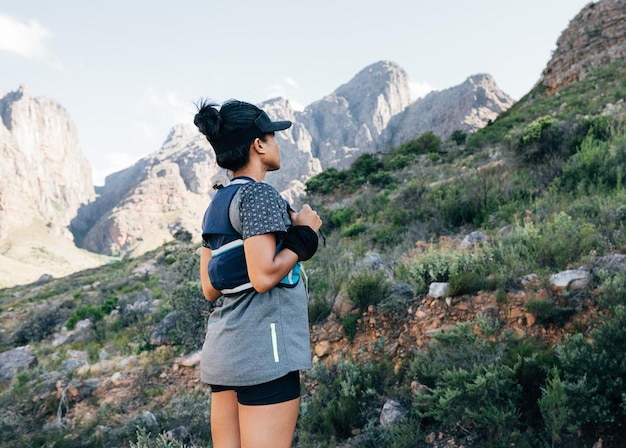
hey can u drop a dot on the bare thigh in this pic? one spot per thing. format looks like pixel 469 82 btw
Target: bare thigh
pixel 225 419
pixel 268 426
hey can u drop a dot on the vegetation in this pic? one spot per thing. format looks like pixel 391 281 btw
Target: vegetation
pixel 543 183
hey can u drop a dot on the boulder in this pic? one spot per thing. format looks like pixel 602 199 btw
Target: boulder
pixel 14 361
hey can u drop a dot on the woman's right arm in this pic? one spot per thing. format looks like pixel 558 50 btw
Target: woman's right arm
pixel 210 293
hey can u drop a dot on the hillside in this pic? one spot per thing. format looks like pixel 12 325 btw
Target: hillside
pixel 535 289
pixel 470 291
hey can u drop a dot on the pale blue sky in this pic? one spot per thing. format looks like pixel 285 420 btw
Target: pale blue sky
pixel 127 71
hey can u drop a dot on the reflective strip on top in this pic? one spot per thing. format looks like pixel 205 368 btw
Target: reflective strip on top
pixel 226 247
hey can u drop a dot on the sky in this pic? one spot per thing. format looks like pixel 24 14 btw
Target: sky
pixel 128 70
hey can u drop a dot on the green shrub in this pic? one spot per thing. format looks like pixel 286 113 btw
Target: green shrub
pixel 367 289
pixel 594 376
pixel 349 324
pixel 424 144
pixel 444 261
pixel 195 309
pixel 542 309
pixel 353 230
pixel 612 289
pixel 598 165
pixel 145 440
pixel 458 347
pixel 326 182
pixel 341 217
pixel 192 410
pixel 459 137
pixel 553 405
pixel 92 312
pixel 482 400
pixel 345 395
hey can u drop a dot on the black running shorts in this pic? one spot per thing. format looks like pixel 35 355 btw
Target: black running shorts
pixel 279 390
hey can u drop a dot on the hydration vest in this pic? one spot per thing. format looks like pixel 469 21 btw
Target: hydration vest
pixel 228 271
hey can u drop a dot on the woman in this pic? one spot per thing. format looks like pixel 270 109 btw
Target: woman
pixel 253 243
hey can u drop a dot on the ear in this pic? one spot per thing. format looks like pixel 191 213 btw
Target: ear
pixel 258 146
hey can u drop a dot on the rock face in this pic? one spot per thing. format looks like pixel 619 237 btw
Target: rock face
pixel 141 207
pixel 43 175
pixel 596 36
pixel 466 107
pixel 351 120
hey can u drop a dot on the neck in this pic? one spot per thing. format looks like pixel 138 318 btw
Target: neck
pixel 252 172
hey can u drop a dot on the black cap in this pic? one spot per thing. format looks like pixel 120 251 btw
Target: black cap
pixel 261 126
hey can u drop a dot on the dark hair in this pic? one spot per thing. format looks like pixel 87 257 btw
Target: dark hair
pixel 215 123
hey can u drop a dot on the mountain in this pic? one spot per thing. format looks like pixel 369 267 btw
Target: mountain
pixel 458 305
pixel 142 206
pixel 596 36
pixel 44 178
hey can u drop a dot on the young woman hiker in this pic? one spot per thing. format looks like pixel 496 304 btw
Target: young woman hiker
pixel 253 246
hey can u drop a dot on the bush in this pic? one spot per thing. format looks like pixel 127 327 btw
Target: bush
pixel 346 393
pixel 481 399
pixel 594 377
pixel 459 137
pixel 195 309
pixel 598 166
pixel 367 289
pixel 430 262
pixel 426 143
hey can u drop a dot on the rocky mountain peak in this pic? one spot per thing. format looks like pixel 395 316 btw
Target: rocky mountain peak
pixel 466 107
pixel 44 174
pixel 596 36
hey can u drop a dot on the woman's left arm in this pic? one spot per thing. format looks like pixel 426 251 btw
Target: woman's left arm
pixel 266 267
pixel 210 293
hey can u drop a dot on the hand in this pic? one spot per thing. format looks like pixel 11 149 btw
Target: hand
pixel 306 217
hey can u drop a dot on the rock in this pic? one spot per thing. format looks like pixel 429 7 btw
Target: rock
pixel 611 264
pixel 45 278
pixel 529 280
pixel 190 360
pixel 437 290
pixel 71 364
pixel 116 379
pixel 400 293
pixel 392 413
pixel 14 361
pixel 593 38
pixel 180 434
pixel 472 239
pixel 322 349
pixel 572 279
pixel 342 306
pixel 161 335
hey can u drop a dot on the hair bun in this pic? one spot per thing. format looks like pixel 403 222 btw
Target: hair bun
pixel 208 120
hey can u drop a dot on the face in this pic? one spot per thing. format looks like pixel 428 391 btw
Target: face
pixel 272 153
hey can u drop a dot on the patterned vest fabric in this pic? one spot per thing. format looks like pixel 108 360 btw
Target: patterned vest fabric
pixel 227 269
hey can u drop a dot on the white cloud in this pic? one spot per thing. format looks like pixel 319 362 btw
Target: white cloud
pixel 168 105
pixel 24 39
pixel 291 82
pixel 419 89
pixel 114 161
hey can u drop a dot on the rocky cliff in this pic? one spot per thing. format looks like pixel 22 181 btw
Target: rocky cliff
pixel 44 179
pixel 142 206
pixel 597 35
pixel 43 175
pixel 466 107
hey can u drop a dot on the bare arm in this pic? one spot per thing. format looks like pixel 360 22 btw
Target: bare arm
pixel 210 293
pixel 266 267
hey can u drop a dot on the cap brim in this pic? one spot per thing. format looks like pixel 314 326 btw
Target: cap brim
pixel 265 124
